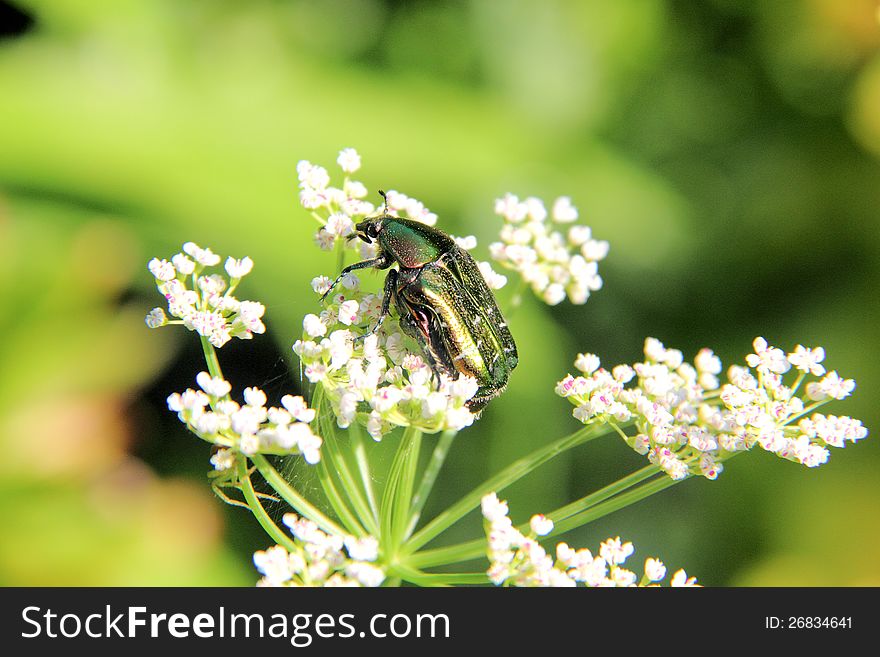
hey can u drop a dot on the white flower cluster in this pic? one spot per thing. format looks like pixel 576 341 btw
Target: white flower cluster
pixel 320 559
pixel 519 560
pixel 376 379
pixel 687 424
pixel 247 429
pixel 208 307
pixel 338 209
pixel 556 257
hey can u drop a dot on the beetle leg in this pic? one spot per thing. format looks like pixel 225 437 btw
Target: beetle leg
pixel 384 261
pixel 387 293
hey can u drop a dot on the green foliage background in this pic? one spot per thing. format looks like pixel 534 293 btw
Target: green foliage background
pixel 728 150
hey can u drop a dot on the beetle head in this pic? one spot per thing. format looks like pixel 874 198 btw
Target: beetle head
pixel 369 228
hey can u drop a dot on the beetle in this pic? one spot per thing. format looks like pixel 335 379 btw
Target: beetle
pixel 442 300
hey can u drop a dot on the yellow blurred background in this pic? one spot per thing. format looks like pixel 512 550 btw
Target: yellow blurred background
pixel 728 150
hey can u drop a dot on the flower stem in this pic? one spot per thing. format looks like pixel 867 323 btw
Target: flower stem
pixel 393 504
pixel 500 481
pixel 360 453
pixel 477 547
pixel 337 464
pixel 428 478
pixel 300 504
pixel 614 504
pixel 344 514
pixel 211 358
pixel 277 534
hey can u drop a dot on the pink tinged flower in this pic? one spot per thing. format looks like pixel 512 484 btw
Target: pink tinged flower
pixel 836 387
pixel 349 160
pixel 316 372
pixel 347 409
pixel 511 209
pixel 298 408
pixel 204 257
pixel 563 211
pixel 162 270
pixel 320 284
pixel 541 525
pixel 313 326
pixel 339 224
pixel 325 240
pixel 767 358
pixel 614 552
pixel 236 268
pixel 375 426
pixel 654 569
pixel 183 264
pixel 156 318
pixel 348 312
pixel 808 360
pixel 311 175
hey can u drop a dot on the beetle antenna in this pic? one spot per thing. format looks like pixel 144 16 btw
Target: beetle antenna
pixel 384 198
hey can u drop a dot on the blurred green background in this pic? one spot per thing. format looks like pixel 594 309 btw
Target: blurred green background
pixel 727 149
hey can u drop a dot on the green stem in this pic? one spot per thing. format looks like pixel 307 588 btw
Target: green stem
pixel 500 481
pixel 300 504
pixel 363 462
pixel 602 494
pixel 344 514
pixel 477 547
pixel 337 464
pixel 211 358
pixel 391 496
pixel 278 535
pixel 614 504
pixel 438 457
pixel 404 492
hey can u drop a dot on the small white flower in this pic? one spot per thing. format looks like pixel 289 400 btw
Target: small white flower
pixel 183 264
pixel 654 569
pixel 254 397
pixel 349 160
pixel 214 386
pixel 238 268
pixel 467 243
pixel 162 269
pixel 313 326
pixel 156 318
pixel 563 211
pixel 492 507
pixel 541 525
pixel 298 408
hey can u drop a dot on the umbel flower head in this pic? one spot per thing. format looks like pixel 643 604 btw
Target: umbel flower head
pixel 202 300
pixel 248 428
pixel 518 559
pixel 554 255
pixel 319 559
pixel 688 423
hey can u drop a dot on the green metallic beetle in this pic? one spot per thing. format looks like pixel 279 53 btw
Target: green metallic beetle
pixel 443 302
